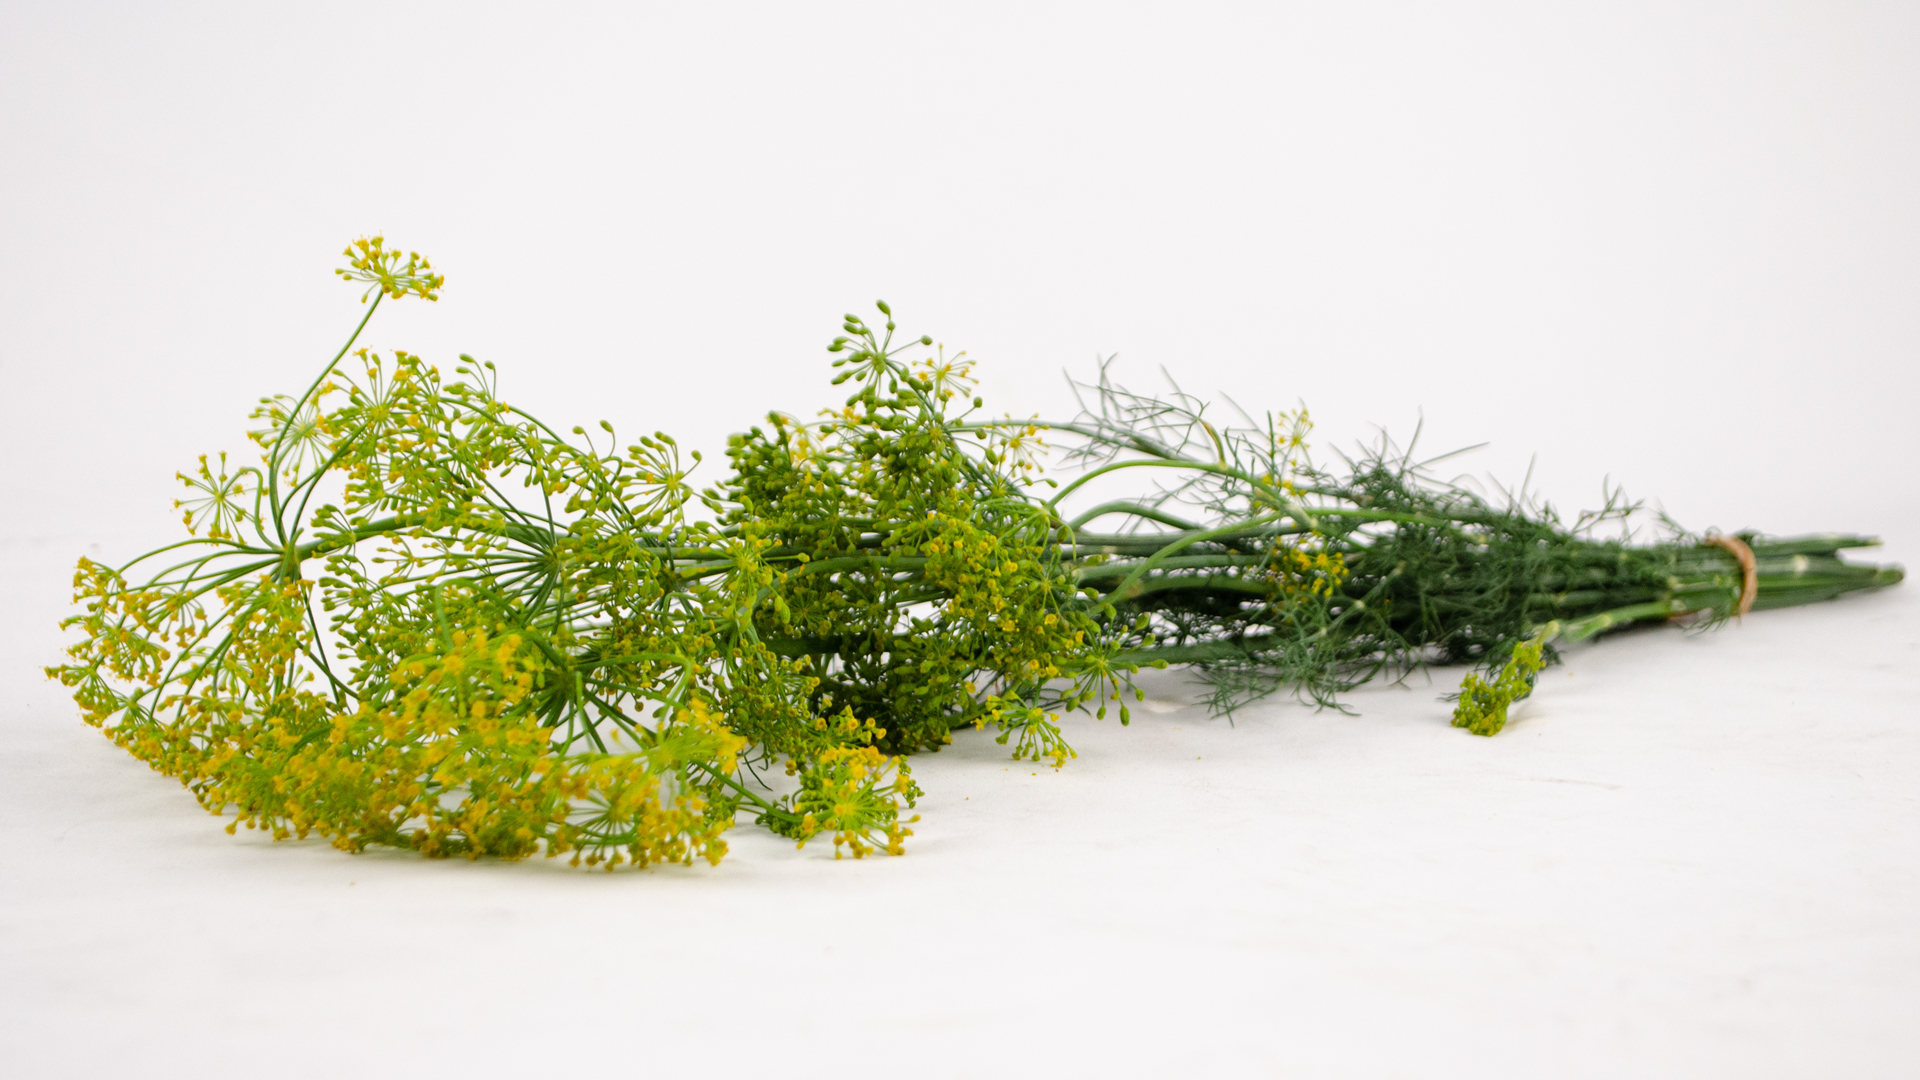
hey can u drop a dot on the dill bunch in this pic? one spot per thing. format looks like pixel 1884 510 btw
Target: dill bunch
pixel 428 620
pixel 1265 571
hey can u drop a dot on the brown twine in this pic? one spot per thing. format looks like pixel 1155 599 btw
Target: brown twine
pixel 1749 570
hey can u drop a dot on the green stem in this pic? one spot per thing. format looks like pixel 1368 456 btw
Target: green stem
pixel 1124 591
pixel 273 457
pixel 1139 510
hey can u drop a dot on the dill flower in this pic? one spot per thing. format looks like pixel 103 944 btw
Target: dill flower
pixel 219 502
pixel 387 272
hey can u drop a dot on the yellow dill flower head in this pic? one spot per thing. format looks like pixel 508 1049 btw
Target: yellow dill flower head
pixel 383 270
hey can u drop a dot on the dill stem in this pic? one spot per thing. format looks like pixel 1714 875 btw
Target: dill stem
pixel 273 458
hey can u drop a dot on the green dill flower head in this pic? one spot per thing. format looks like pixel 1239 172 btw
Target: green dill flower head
pixel 383 270
pixel 1483 705
pixel 295 437
pixel 217 499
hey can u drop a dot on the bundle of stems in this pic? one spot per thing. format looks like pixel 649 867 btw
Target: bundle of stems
pixel 429 620
pixel 1409 570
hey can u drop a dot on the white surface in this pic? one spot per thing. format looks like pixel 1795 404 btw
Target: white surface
pixel 1674 247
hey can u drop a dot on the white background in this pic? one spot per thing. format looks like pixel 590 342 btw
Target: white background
pixel 1674 245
